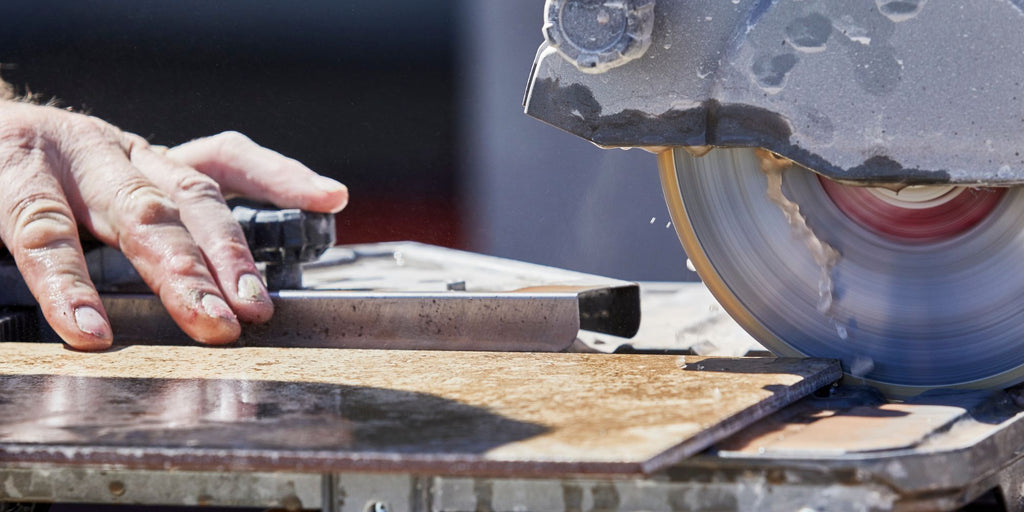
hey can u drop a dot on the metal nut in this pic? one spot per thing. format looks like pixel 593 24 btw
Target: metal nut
pixel 597 35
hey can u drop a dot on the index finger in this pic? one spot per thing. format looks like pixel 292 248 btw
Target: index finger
pixel 243 167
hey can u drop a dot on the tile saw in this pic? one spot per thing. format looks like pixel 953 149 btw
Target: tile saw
pixel 827 178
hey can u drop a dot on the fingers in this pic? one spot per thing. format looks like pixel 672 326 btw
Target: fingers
pixel 208 219
pixel 41 233
pixel 161 207
pixel 126 210
pixel 243 167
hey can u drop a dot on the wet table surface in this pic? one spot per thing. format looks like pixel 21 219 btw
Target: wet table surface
pixel 322 410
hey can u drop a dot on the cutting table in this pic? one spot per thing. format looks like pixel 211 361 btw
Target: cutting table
pixel 671 419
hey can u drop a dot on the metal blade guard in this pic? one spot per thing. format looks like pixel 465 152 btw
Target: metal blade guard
pixel 873 91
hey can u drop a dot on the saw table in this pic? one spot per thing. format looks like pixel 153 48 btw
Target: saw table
pixel 845 177
pixel 668 420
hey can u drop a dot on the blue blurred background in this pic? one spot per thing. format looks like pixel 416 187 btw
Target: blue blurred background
pixel 415 105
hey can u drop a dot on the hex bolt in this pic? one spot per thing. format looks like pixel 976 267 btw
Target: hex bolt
pixel 597 35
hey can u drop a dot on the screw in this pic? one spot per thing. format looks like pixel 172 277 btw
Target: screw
pixel 291 503
pixel 377 506
pixel 116 488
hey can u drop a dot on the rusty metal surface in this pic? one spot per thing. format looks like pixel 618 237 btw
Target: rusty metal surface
pixel 277 490
pixel 322 410
pixel 889 426
pixel 937 452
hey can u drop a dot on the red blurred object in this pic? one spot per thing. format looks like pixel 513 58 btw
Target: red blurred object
pixel 387 219
pixel 929 221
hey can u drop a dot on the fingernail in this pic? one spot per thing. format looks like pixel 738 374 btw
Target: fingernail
pixel 91 322
pixel 251 288
pixel 216 307
pixel 327 184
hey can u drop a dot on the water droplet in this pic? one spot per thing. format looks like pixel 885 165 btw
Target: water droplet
pixel 653 219
pixel 861 366
pixel 689 265
pixel 703 347
pixel 842 332
pixel 668 225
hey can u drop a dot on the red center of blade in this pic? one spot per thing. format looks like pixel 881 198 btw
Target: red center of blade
pixel 913 223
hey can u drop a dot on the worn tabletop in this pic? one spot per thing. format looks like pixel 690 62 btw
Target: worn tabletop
pixel 328 410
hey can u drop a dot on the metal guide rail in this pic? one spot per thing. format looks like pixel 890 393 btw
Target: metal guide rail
pixel 401 295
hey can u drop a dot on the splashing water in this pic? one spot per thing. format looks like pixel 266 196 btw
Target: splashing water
pixel 823 254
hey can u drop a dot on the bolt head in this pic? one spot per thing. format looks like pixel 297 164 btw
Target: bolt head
pixel 597 35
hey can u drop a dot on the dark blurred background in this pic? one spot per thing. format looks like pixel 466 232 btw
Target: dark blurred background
pixel 415 105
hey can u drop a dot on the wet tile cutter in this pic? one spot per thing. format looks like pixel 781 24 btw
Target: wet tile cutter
pixel 843 177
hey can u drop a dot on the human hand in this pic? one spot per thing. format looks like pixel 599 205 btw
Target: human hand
pixel 163 208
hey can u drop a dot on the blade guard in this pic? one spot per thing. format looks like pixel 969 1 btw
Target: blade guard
pixel 870 91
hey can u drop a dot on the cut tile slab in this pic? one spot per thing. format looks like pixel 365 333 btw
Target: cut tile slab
pixel 459 413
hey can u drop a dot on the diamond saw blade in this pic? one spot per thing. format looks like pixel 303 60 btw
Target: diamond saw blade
pixel 807 278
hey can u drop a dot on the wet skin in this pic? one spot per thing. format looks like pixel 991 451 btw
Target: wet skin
pixel 162 207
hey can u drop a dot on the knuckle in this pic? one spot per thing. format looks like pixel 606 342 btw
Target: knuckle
pixel 132 142
pixel 42 221
pixel 194 185
pixel 20 140
pixel 143 205
pixel 96 126
pixel 83 135
pixel 229 144
pixel 231 248
pixel 19 135
pixel 232 137
pixel 69 279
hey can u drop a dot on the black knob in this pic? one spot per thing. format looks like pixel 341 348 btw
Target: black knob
pixel 284 240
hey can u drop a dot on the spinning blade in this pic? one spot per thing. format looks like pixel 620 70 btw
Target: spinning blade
pixel 905 314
